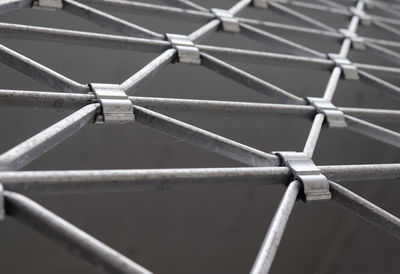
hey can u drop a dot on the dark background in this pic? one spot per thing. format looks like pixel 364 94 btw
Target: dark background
pixel 201 229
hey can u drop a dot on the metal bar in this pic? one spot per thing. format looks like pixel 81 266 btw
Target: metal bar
pixel 248 80
pixel 374 131
pixel 29 150
pixel 186 4
pixel 39 72
pixel 297 15
pixel 386 27
pixel 152 9
pixel 272 240
pixel 7 6
pixel 365 209
pixel 375 68
pixel 204 139
pixel 107 20
pixel 68 236
pixel 121 180
pixel 278 41
pixel 139 78
pixel 16 31
pixel 239 6
pixel 384 86
pixel 312 138
pixel 202 32
pixel 312 6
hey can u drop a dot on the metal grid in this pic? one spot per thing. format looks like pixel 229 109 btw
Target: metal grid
pixel 111 103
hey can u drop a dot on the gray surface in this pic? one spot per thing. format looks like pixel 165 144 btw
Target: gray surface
pixel 196 230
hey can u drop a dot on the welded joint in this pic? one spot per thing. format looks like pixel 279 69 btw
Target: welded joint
pixel 187 52
pixel 315 184
pixel 349 70
pixel 2 204
pixel 228 21
pixel 260 4
pixel 333 115
pixel 356 41
pixel 365 18
pixel 115 104
pixel 48 4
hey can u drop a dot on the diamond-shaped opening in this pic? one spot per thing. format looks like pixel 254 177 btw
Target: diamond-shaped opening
pixel 371 56
pixel 83 64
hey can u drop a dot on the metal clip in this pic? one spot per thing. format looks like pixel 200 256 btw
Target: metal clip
pixel 356 41
pixel 365 18
pixel 334 116
pixel 2 207
pixel 349 70
pixel 187 51
pixel 229 23
pixel 315 184
pixel 117 108
pixel 260 4
pixel 48 4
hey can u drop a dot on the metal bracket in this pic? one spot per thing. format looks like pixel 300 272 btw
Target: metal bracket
pixel 356 41
pixel 349 70
pixel 116 106
pixel 315 184
pixel 229 23
pixel 365 18
pixel 260 4
pixel 187 51
pixel 2 207
pixel 48 4
pixel 334 116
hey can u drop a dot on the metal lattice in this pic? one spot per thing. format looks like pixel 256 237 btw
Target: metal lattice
pixel 112 103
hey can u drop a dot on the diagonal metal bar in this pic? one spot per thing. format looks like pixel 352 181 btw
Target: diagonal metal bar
pixel 107 20
pixel 299 16
pixel 374 131
pixel 186 4
pixel 248 80
pixel 27 151
pixel 386 27
pixel 383 52
pixel 39 72
pixel 204 139
pixel 365 209
pixel 274 235
pixel 383 85
pixel 139 78
pixel 239 6
pixel 278 41
pixel 68 236
pixel 316 7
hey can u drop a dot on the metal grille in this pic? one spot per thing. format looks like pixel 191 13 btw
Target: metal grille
pixel 113 103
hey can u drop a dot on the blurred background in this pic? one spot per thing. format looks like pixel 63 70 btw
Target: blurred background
pixel 198 229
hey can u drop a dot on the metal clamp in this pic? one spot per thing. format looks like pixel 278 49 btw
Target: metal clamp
pixel 116 106
pixel 315 184
pixel 356 41
pixel 334 116
pixel 229 23
pixel 2 207
pixel 260 4
pixel 187 52
pixel 349 70
pixel 48 4
pixel 365 18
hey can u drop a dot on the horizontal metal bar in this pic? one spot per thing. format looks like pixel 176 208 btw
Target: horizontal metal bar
pixel 120 180
pixel 312 6
pixel 374 131
pixel 186 4
pixel 275 231
pixel 147 72
pixel 383 85
pixel 16 31
pixel 248 80
pixel 68 236
pixel 109 21
pixel 376 68
pixel 365 209
pixel 152 10
pixel 277 41
pixel 204 139
pixel 7 6
pixel 39 72
pixel 29 150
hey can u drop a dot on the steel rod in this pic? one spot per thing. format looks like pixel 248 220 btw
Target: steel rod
pixel 186 4
pixel 68 236
pixel 365 209
pixel 383 85
pixel 27 151
pixel 274 235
